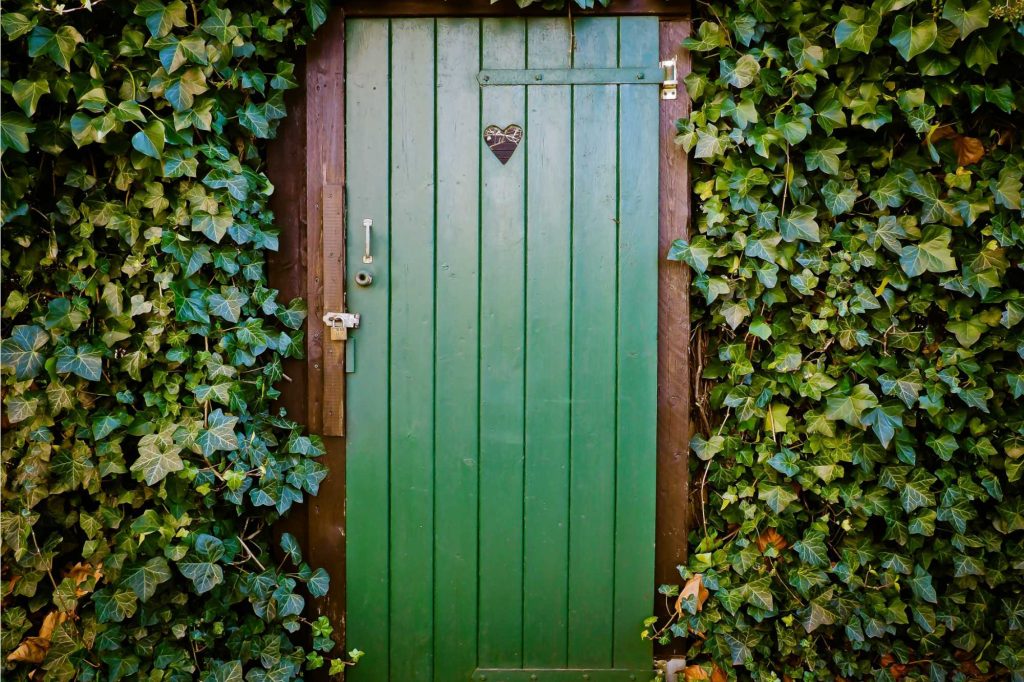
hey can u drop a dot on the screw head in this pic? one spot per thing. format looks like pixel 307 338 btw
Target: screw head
pixel 538 77
pixel 486 78
pixel 639 76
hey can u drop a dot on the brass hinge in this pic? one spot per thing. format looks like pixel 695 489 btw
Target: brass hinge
pixel 670 84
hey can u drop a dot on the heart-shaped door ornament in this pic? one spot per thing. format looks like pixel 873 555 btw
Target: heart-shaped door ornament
pixel 503 142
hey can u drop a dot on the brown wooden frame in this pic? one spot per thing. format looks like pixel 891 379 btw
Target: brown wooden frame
pixel 306 163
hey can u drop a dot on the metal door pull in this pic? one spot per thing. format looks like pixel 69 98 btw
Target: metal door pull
pixel 367 255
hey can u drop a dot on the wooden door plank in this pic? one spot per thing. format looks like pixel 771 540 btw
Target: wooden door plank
pixel 548 278
pixel 456 389
pixel 325 165
pixel 638 343
pixel 673 324
pixel 501 361
pixel 367 104
pixel 592 469
pixel 412 349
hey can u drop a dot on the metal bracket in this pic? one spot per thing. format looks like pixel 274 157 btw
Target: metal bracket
pixel 670 84
pixel 340 323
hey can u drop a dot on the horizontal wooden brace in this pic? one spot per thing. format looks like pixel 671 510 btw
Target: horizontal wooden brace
pixel 638 75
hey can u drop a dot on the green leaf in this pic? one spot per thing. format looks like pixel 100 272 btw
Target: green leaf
pixel 921 584
pixel 14 132
pixel 319 583
pixel 812 549
pixel 916 492
pixel 113 606
pixel 219 434
pixel 824 156
pixel 742 72
pixel 316 12
pixel 16 24
pixel 228 303
pixel 85 361
pixel 28 92
pixel 1007 189
pixel 885 421
pixel 204 575
pixel 145 578
pixel 931 254
pixel 857 35
pixel 150 140
pixel 967 20
pixel 849 407
pixel 911 39
pixel 839 197
pixel 21 351
pixel 59 46
pixel 800 224
pixel 161 18
pixel 158 456
pixel 777 497
pixel 697 253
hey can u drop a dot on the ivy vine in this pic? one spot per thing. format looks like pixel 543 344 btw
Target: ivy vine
pixel 142 348
pixel 858 286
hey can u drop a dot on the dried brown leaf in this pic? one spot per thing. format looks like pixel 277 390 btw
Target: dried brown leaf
pixel 771 538
pixel 968 150
pixel 31 650
pixel 693 587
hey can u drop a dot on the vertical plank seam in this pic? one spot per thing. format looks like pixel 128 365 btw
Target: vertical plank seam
pixel 388 350
pixel 526 359
pixel 479 321
pixel 572 331
pixel 433 391
pixel 618 355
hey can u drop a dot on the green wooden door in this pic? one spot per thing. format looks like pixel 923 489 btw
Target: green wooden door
pixel 501 394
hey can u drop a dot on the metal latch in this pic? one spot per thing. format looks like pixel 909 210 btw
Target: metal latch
pixel 670 85
pixel 340 323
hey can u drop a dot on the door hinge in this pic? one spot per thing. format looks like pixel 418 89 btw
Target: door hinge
pixel 340 323
pixel 670 84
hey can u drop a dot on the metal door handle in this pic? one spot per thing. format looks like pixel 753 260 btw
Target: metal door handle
pixel 367 255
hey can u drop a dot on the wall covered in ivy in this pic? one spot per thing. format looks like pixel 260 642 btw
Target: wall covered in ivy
pixel 857 261
pixel 142 347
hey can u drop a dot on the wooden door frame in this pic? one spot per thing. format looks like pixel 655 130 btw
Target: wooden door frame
pixel 306 164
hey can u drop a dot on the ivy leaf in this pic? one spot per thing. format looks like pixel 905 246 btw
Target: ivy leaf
pixel 113 606
pixel 316 12
pixel 742 72
pixel 911 39
pixel 907 388
pixel 28 92
pixel 21 351
pixel 800 224
pixel 14 132
pixel 884 421
pixel 921 584
pixel 696 253
pixel 85 361
pixel 16 24
pixel 144 579
pixel 59 46
pixel 857 34
pixel 812 549
pixel 839 197
pixel 967 20
pixel 219 434
pixel 204 575
pixel 161 18
pixel 158 456
pixel 228 303
pixel 150 140
pixel 319 583
pixel 850 407
pixel 777 497
pixel 824 156
pixel 820 612
pixel 916 492
pixel 931 254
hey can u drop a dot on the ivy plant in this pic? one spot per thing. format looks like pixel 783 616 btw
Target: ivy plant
pixel 857 270
pixel 143 462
